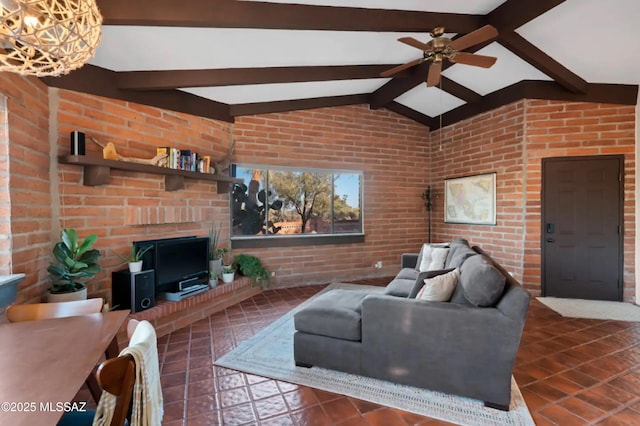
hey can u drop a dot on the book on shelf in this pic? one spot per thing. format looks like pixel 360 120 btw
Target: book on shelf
pixel 185 159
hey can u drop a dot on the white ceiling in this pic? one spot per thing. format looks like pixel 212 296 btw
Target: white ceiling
pixel 595 39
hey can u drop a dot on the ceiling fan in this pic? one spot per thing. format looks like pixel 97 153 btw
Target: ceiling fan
pixel 441 48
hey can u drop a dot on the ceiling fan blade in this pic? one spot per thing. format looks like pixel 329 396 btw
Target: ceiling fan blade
pixel 395 70
pixel 433 77
pixel 474 37
pixel 474 59
pixel 415 43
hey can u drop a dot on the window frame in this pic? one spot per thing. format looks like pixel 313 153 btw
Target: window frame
pixel 292 240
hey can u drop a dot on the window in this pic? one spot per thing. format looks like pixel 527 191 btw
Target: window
pixel 293 202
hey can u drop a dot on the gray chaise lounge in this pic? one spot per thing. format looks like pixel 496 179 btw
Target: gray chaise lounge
pixel 452 347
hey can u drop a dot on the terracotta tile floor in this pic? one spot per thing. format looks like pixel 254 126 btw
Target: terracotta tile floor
pixel 570 371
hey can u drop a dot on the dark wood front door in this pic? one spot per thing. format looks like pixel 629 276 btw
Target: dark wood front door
pixel 582 202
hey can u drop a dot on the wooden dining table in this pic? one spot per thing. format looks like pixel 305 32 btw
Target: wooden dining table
pixel 44 363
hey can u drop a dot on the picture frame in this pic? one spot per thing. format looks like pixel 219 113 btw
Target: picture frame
pixel 471 199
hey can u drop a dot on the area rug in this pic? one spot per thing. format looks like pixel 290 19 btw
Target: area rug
pixel 270 354
pixel 593 309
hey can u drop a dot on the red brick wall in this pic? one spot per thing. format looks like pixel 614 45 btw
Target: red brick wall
pixel 392 153
pixel 559 129
pixel 388 148
pixel 511 141
pixel 28 166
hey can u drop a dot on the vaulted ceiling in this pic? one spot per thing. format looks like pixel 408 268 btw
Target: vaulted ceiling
pixel 223 58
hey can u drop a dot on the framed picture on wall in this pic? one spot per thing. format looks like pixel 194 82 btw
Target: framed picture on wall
pixel 470 199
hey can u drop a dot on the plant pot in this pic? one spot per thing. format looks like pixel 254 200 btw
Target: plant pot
pixel 228 277
pixel 67 297
pixel 215 268
pixel 213 283
pixel 135 266
pixel 9 288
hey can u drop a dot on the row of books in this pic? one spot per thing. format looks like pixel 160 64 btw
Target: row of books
pixel 185 159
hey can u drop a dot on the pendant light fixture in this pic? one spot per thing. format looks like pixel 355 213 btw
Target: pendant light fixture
pixel 48 37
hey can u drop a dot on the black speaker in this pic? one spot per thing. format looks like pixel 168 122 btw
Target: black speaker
pixel 133 290
pixel 77 143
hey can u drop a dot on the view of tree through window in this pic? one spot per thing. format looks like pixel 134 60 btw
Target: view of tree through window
pixel 290 201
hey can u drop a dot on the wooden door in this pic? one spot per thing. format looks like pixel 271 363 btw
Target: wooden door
pixel 582 204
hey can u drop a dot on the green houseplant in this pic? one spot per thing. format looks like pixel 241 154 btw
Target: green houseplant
pixel 134 259
pixel 250 266
pixel 228 273
pixel 75 262
pixel 215 252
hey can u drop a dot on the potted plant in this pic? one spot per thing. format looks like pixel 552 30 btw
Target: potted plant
pixel 134 259
pixel 75 262
pixel 213 279
pixel 215 252
pixel 228 274
pixel 251 267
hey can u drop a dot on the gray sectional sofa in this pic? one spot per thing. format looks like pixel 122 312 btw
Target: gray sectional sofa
pixel 466 346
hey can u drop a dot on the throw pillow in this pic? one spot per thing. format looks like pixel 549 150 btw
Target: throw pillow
pixel 425 259
pixel 427 247
pixel 438 259
pixel 439 288
pixel 419 282
pixel 482 283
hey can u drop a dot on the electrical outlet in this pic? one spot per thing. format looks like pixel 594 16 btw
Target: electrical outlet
pixel 273 273
pixel 378 264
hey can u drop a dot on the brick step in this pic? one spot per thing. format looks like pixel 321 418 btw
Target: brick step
pixel 168 316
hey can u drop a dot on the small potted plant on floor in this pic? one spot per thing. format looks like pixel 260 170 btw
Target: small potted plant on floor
pixel 228 274
pixel 75 262
pixel 134 259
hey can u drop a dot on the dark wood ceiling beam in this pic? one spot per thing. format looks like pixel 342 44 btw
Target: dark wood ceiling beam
pixel 459 91
pixel 102 82
pixel 601 93
pixel 397 86
pixel 244 14
pixel 172 79
pixel 298 104
pixel 513 14
pixel 412 114
pixel 540 60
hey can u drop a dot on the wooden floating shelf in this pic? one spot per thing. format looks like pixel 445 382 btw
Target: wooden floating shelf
pixel 97 171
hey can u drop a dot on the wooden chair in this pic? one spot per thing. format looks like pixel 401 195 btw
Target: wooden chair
pixel 38 311
pixel 116 376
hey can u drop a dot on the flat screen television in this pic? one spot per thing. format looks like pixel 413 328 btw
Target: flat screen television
pixel 177 260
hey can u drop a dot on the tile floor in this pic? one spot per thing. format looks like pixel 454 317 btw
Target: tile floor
pixel 570 371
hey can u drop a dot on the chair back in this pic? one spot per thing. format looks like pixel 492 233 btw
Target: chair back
pixel 38 311
pixel 117 376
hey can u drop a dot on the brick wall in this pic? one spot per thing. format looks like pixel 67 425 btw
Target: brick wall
pixel 392 153
pixel 560 129
pixel 28 166
pixel 386 147
pixel 511 141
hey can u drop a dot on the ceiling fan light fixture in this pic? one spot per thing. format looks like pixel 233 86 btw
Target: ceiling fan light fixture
pixel 48 37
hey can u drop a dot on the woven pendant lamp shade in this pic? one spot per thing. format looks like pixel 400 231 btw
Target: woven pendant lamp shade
pixel 47 37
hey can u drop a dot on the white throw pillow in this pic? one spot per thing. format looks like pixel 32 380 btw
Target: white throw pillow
pixel 425 260
pixel 439 288
pixel 438 259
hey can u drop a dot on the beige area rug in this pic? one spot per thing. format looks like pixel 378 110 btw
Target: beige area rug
pixel 593 309
pixel 270 354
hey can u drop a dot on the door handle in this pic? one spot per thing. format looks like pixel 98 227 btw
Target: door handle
pixel 551 240
pixel 550 228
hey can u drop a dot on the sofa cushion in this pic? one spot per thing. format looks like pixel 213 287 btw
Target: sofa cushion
pixel 400 287
pixel 428 246
pixel 407 274
pixel 419 282
pixel 482 283
pixel 458 296
pixel 335 313
pixel 458 253
pixel 440 287
pixel 436 259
